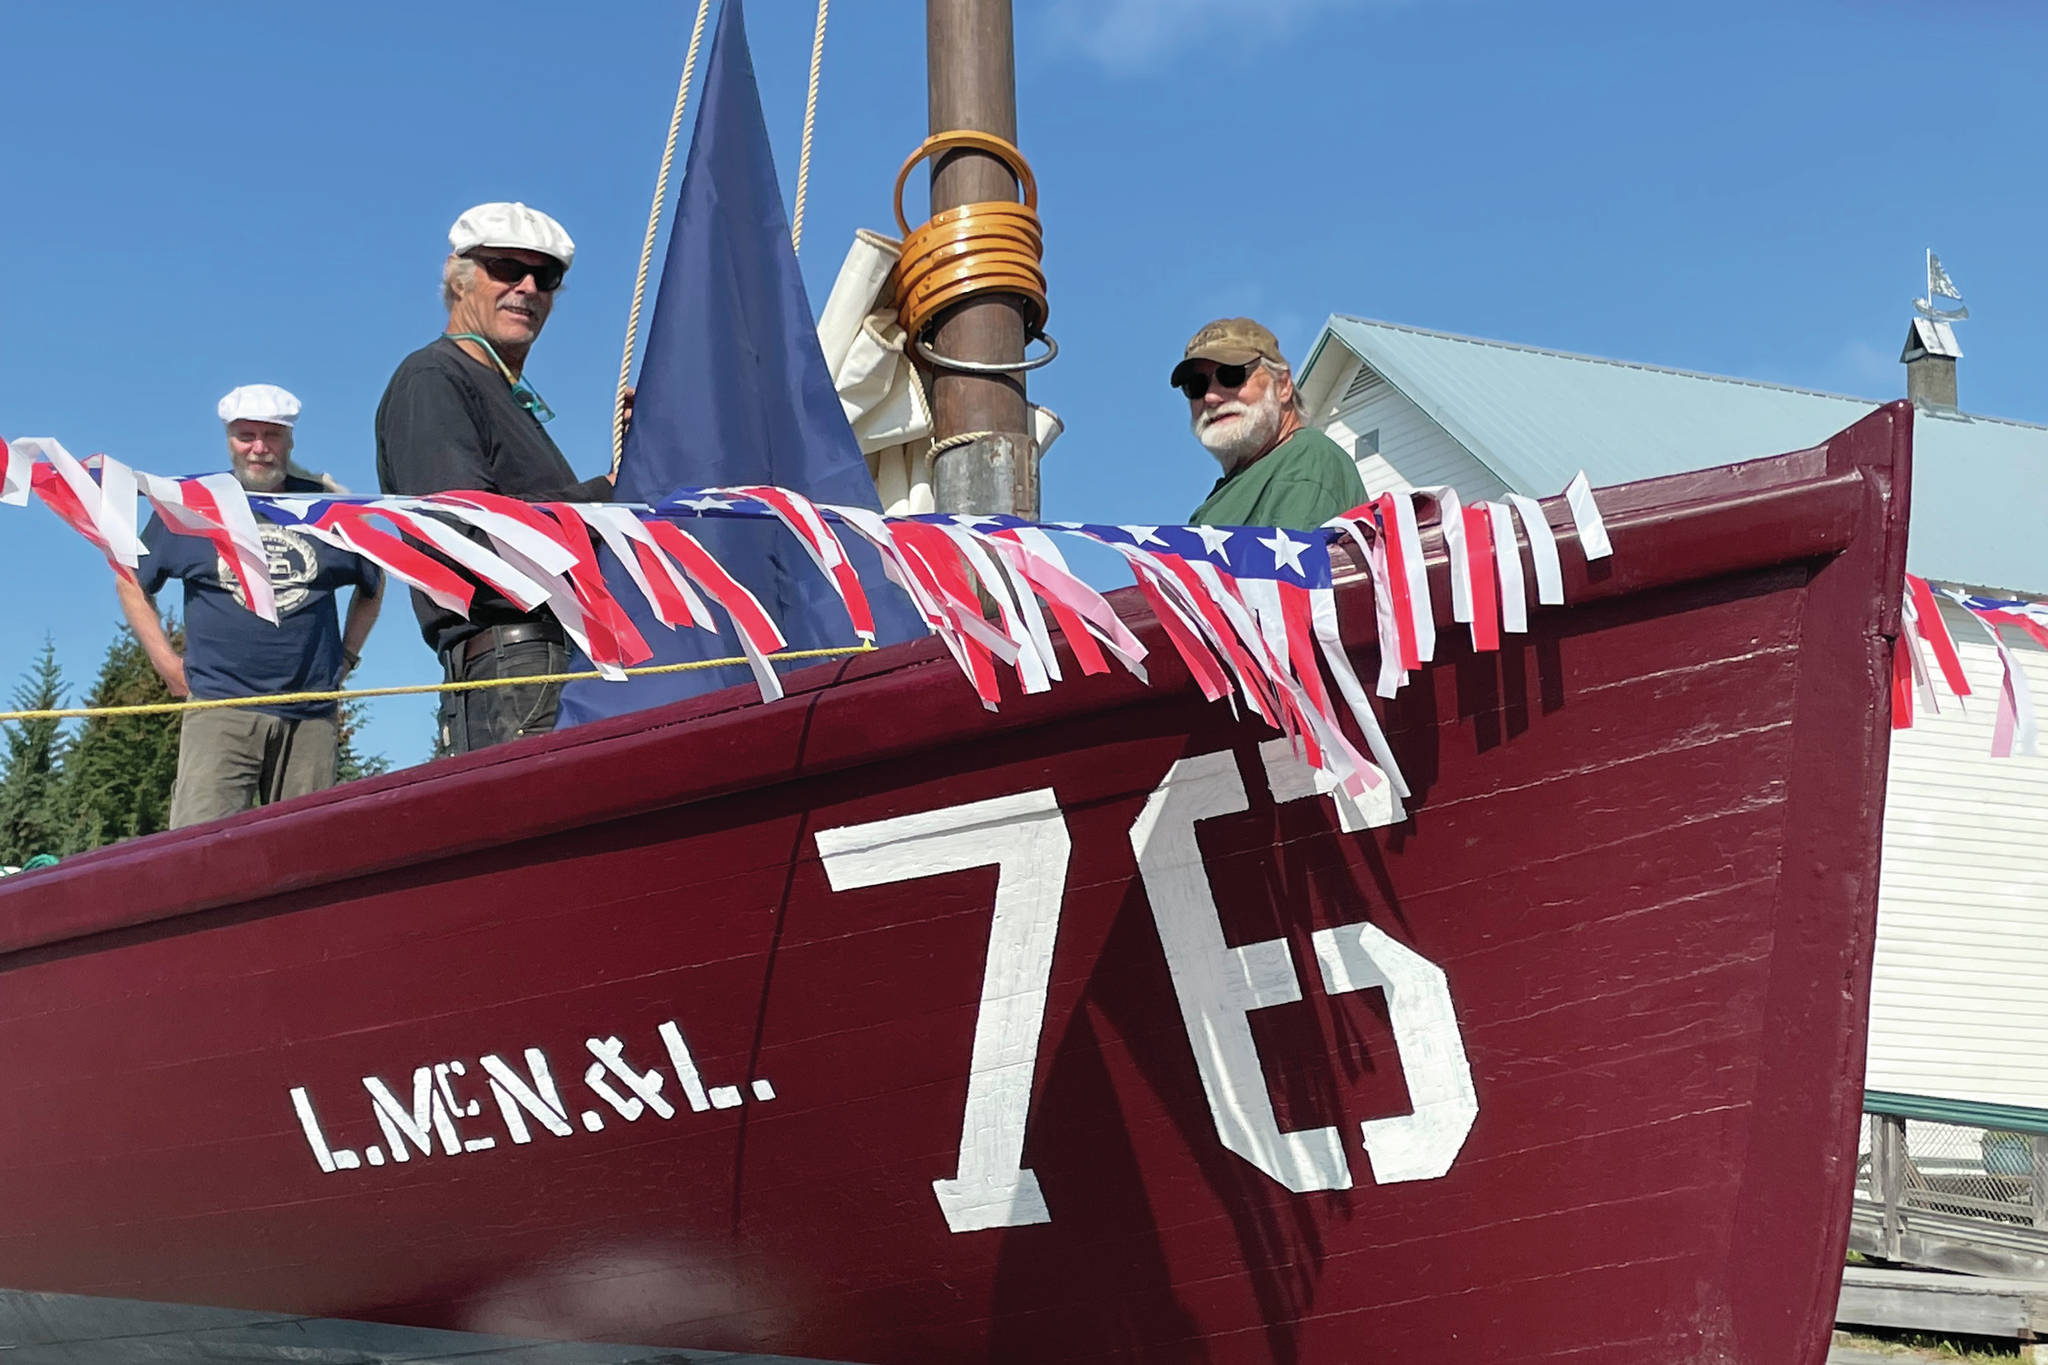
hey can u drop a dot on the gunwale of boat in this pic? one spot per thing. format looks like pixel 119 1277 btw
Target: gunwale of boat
pixel 1802 505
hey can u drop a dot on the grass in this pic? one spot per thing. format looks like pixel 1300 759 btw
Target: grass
pixel 1915 1347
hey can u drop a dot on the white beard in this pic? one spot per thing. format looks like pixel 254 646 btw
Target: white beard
pixel 1232 443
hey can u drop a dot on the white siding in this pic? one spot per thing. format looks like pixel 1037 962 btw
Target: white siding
pixel 1413 450
pixel 1959 995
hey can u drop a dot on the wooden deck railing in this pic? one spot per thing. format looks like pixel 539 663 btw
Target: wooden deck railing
pixel 1954 1185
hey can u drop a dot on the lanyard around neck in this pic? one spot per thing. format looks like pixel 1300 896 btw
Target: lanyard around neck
pixel 524 393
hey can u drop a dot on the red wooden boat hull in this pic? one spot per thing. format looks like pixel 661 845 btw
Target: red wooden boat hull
pixel 1567 1066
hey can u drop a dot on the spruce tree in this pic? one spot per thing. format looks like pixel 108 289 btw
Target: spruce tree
pixel 119 771
pixel 348 764
pixel 31 766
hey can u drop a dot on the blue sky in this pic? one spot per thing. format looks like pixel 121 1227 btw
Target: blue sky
pixel 201 196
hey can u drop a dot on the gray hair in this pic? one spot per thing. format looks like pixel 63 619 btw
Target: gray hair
pixel 456 276
pixel 1280 372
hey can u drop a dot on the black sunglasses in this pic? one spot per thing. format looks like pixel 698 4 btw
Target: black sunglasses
pixel 1225 376
pixel 510 270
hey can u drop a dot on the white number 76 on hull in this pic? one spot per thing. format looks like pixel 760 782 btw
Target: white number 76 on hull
pixel 1025 837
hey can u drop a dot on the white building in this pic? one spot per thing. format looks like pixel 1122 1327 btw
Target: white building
pixel 1959 1003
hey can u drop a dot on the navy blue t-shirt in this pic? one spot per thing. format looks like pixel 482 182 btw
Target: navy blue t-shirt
pixel 230 651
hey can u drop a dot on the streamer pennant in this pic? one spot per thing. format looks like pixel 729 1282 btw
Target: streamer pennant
pixel 2014 730
pixel 1926 651
pixel 1250 611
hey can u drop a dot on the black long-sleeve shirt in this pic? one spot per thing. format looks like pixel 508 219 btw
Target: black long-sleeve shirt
pixel 448 421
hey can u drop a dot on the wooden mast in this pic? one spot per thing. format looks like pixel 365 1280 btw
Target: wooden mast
pixel 971 68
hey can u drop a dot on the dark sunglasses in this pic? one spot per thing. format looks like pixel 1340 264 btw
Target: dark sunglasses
pixel 510 270
pixel 1225 377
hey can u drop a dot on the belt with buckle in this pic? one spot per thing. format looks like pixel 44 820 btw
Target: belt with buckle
pixel 491 637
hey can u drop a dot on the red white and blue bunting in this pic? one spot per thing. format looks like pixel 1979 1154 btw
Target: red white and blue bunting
pixel 1927 647
pixel 1251 611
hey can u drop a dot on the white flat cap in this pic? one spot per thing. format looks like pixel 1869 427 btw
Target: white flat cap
pixel 511 225
pixel 260 403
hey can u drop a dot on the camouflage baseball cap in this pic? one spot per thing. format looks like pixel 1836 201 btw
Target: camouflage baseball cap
pixel 1229 341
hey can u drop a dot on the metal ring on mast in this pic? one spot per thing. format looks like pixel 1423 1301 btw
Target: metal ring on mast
pixel 1052 351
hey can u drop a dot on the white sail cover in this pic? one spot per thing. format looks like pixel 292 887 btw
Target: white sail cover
pixel 879 387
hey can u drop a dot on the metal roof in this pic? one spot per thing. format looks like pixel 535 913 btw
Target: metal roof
pixel 1535 417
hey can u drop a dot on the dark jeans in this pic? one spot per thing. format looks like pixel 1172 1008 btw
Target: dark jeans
pixel 485 716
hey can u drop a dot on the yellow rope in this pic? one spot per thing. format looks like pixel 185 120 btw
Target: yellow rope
pixel 803 160
pixel 668 157
pixel 164 708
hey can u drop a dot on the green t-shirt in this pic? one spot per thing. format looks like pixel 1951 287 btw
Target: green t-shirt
pixel 1299 484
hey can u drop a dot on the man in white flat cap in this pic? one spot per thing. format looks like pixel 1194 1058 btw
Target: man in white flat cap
pixel 235 758
pixel 460 414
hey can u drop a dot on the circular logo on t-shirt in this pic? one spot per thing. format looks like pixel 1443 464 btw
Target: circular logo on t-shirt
pixel 294 564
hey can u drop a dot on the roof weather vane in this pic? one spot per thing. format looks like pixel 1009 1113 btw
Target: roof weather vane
pixel 1931 352
pixel 1940 286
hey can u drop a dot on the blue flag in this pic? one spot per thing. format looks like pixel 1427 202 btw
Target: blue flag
pixel 734 390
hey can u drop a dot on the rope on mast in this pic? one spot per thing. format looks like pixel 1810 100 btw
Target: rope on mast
pixel 803 160
pixel 668 157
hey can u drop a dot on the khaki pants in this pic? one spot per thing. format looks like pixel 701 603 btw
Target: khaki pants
pixel 236 758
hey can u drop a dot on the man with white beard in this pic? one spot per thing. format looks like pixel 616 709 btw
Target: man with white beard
pixel 232 759
pixel 1245 410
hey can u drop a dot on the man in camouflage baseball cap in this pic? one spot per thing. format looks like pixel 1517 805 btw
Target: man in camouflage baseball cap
pixel 1245 410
